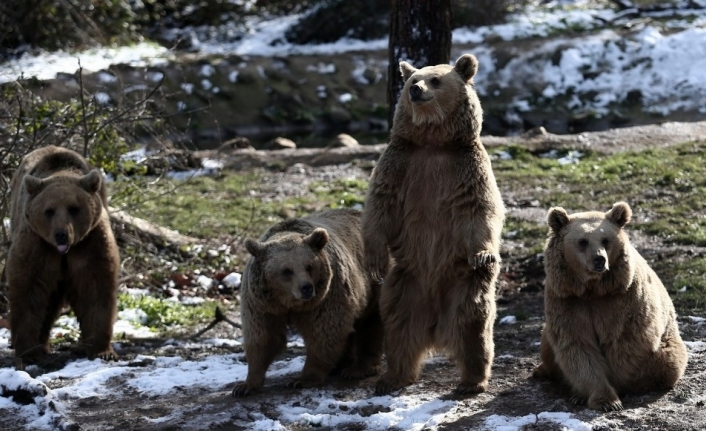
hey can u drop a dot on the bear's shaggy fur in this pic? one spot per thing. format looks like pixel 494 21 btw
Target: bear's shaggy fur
pixel 434 204
pixel 63 251
pixel 309 273
pixel 610 324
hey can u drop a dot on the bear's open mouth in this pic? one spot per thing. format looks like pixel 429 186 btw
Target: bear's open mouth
pixel 62 248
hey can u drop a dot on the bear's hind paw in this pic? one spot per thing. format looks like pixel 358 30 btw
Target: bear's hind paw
pixel 242 390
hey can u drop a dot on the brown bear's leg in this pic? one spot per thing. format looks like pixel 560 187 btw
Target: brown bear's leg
pixel 94 300
pixel 34 306
pixel 406 315
pixel 664 369
pixel 548 369
pixel 265 338
pixel 368 339
pixel 466 327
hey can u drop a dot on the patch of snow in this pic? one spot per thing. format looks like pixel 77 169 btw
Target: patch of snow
pixel 233 76
pixel 181 106
pixel 695 346
pixel 345 97
pixel 102 98
pixel 138 155
pixel 322 68
pixel 502 155
pixel 697 320
pixel 232 280
pixel 509 423
pixel 48 64
pixel 188 88
pixel 154 76
pixel 508 320
pixel 207 70
pixel 106 77
pixel 191 300
pixel 4 338
pixel 133 315
pixel 206 84
pixel 572 157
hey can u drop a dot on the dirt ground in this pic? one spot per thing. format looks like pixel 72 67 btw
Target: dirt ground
pixel 513 392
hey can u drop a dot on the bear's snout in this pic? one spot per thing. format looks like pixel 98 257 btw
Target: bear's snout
pixel 415 93
pixel 599 263
pixel 307 290
pixel 61 237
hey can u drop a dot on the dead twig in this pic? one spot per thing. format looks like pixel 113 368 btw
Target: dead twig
pixel 220 317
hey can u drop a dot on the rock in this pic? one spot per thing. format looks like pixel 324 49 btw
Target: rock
pixel 280 143
pixel 240 142
pixel 344 141
pixel 534 132
pixel 339 115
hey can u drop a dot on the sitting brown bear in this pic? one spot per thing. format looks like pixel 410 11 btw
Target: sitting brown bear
pixel 63 251
pixel 610 324
pixel 309 273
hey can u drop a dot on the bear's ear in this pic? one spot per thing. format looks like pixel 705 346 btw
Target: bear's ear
pixel 466 66
pixel 317 239
pixel 620 214
pixel 91 182
pixel 254 247
pixel 557 218
pixel 407 70
pixel 33 185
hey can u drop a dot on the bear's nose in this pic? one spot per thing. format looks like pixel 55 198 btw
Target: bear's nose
pixel 415 92
pixel 307 290
pixel 61 237
pixel 599 263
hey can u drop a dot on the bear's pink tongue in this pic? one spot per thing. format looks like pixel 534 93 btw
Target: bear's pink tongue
pixel 62 248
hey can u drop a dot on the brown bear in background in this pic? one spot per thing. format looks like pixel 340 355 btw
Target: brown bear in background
pixel 63 252
pixel 309 273
pixel 610 324
pixel 434 204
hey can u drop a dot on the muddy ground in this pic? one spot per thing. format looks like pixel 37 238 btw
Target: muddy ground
pixel 512 393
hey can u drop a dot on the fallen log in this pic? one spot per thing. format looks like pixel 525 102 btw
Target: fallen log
pixel 538 140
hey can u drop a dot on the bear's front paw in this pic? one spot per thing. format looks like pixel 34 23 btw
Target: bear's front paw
pixel 606 404
pixel 358 372
pixel 387 384
pixel 483 258
pixel 376 264
pixel 301 383
pixel 471 388
pixel 578 400
pixel 243 390
pixel 107 355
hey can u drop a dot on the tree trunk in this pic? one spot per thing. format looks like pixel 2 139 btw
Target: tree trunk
pixel 420 33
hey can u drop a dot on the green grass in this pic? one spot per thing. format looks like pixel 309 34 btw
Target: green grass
pixel 665 187
pixel 163 315
pixel 207 207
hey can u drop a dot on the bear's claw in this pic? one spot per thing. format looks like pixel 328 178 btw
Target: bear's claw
pixel 483 258
pixel 577 400
pixel 470 388
pixel 242 390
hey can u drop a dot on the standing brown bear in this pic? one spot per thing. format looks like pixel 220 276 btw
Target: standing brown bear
pixel 63 251
pixel 309 273
pixel 434 204
pixel 610 324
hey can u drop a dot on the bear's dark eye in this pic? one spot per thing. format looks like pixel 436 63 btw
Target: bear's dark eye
pixel 583 242
pixel 309 268
pixel 435 82
pixel 604 241
pixel 74 211
pixel 287 272
pixel 49 212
